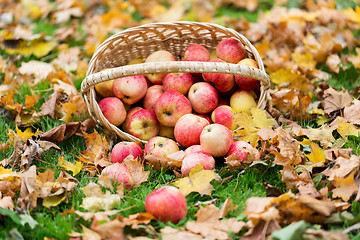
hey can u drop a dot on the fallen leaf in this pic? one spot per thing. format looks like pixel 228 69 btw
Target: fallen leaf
pixel 250 124
pixel 335 100
pixel 28 192
pixel 169 233
pixel 314 234
pixel 352 112
pixel 86 234
pixel 343 167
pixel 92 189
pixel 344 187
pixel 99 216
pixel 346 129
pixel 39 69
pixel 197 181
pixel 7 202
pixel 38 46
pixel 317 154
pixel 74 168
pixel 227 207
pixel 136 169
pixel 333 61
pixel 111 230
pixel 31 150
pixel 106 202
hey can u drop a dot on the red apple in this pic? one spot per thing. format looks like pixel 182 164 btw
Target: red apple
pixel 196 158
pixel 160 147
pixel 152 95
pixel 167 204
pixel 242 101
pixel 123 149
pixel 203 97
pixel 166 132
pixel 223 82
pixel 130 89
pixel 130 112
pixel 192 149
pixel 171 106
pixel 224 115
pixel 180 82
pixel 105 88
pixel 216 139
pixel 187 124
pixel 113 110
pixel 230 50
pixel 243 150
pixel 247 83
pixel 196 52
pixel 158 56
pixel 120 174
pixel 143 124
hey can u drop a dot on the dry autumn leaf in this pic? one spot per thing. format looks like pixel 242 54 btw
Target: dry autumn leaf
pixel 197 181
pixel 136 169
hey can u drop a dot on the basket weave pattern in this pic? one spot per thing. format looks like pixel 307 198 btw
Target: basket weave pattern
pixel 139 42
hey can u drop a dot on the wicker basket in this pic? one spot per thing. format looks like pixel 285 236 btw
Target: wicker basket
pixel 139 42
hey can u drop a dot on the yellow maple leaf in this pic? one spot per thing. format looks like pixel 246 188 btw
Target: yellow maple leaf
pixel 37 46
pixel 197 181
pixel 346 129
pixel 317 155
pixel 305 60
pixel 31 100
pixel 74 168
pixel 22 135
pixel 251 124
pixel 345 187
pixel 69 108
pixel 4 171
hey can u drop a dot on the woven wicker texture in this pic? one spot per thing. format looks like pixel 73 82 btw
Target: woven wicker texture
pixel 139 42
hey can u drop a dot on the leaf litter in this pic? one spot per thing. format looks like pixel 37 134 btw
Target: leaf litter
pixel 296 45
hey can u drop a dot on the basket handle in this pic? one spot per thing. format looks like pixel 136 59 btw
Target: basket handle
pixel 172 67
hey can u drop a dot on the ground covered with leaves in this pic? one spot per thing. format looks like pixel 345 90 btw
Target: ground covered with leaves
pixel 306 185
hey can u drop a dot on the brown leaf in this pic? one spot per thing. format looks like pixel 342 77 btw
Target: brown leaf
pixel 31 150
pixel 335 100
pixel 136 169
pixel 105 181
pixel 6 202
pixel 227 207
pixel 352 112
pixel 14 160
pixel 28 192
pixel 49 107
pixel 111 230
pixel 344 187
pixel 169 233
pixel 98 216
pixel 135 219
pixel 289 149
pixel 343 167
pixel 61 133
pixel 92 189
pixel 315 234
pixel 209 213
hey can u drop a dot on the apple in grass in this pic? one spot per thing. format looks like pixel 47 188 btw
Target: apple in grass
pixel 123 149
pixel 247 83
pixel 167 204
pixel 171 106
pixel 216 139
pixel 113 110
pixel 188 129
pixel 130 89
pixel 224 115
pixel 120 174
pixel 180 82
pixel 242 101
pixel 130 112
pixel 152 95
pixel 230 50
pixel 143 124
pixel 160 147
pixel 158 56
pixel 196 52
pixel 203 97
pixel 223 82
pixel 243 150
pixel 196 158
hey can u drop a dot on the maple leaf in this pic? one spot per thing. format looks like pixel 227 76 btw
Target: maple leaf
pixel 335 100
pixel 37 46
pixel 197 181
pixel 6 202
pixel 98 216
pixel 343 167
pixel 38 69
pixel 289 149
pixel 304 60
pixel 136 169
pixel 251 124
pixel 344 187
pixel 109 230
pixel 317 155
pixel 352 112
pixel 346 129
pixel 333 61
pixel 74 168
pixel 322 134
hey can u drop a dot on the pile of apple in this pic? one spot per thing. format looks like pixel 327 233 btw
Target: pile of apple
pixel 194 110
